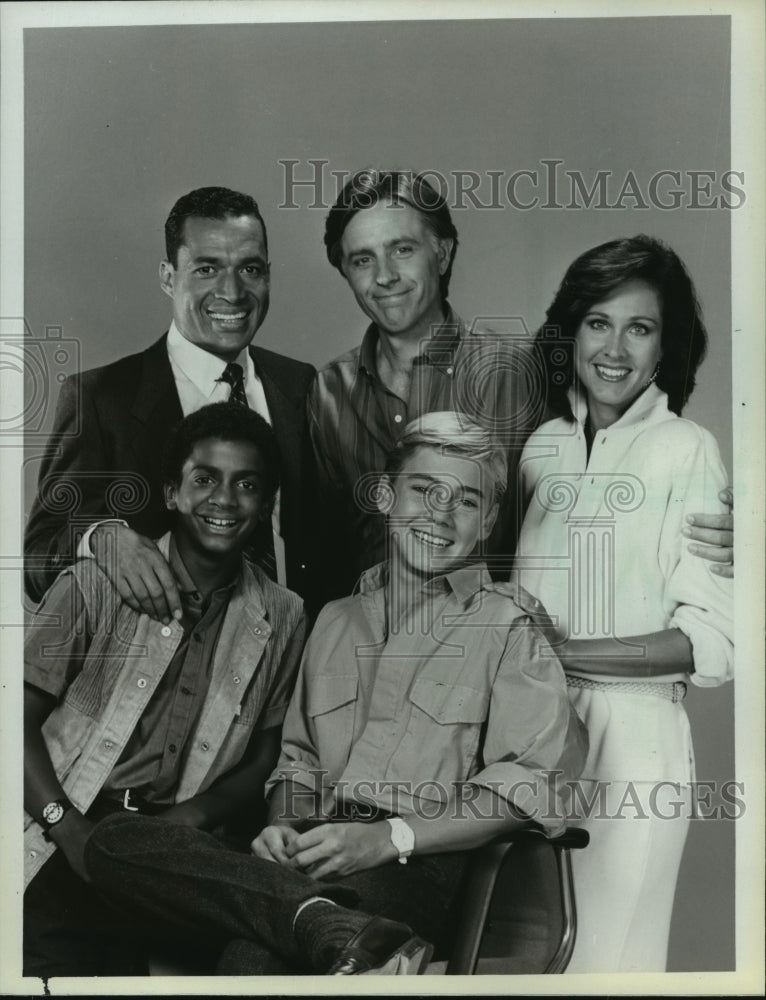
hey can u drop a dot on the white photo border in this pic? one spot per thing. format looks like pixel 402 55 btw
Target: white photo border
pixel 749 418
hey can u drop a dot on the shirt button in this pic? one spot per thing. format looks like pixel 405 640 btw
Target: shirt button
pixel 257 631
pixel 450 370
pixel 33 854
pixel 205 746
pixel 398 418
pixel 172 748
pixel 166 630
pixel 236 680
pixel 108 744
pixel 141 682
pixel 185 690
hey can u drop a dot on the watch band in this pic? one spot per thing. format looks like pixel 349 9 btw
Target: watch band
pixel 402 837
pixel 53 813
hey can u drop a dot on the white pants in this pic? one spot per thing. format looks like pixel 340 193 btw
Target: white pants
pixel 637 776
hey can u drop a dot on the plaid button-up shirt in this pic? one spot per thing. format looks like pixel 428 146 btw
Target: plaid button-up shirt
pixel 355 421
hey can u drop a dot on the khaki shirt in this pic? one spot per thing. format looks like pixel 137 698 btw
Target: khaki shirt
pixel 465 690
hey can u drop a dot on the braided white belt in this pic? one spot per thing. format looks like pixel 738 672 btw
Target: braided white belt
pixel 675 691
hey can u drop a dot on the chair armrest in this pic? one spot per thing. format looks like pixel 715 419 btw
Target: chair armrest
pixel 485 867
pixel 573 837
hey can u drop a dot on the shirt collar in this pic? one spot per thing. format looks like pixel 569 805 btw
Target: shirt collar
pixel 201 367
pixel 652 404
pixel 438 351
pixel 186 585
pixel 464 582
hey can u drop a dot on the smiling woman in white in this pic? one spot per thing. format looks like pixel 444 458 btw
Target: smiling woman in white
pixel 608 486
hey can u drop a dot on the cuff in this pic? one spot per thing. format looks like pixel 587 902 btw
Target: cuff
pixel 532 794
pixel 299 773
pixel 712 651
pixel 83 548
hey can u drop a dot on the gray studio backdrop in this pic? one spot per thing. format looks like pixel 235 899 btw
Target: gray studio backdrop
pixel 121 121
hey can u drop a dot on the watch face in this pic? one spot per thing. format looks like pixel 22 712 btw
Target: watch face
pixel 53 812
pixel 402 837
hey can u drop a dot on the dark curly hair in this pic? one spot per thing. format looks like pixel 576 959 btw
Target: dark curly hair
pixel 207 203
pixel 598 273
pixel 223 422
pixel 368 187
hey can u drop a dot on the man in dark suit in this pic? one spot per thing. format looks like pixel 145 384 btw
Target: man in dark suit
pixel 100 486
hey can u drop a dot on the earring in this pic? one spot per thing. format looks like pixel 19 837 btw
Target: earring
pixel 654 375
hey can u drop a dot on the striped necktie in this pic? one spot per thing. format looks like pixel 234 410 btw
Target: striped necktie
pixel 261 551
pixel 235 376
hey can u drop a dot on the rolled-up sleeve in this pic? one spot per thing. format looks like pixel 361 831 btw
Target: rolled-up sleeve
pixel 702 602
pixel 57 637
pixel 534 740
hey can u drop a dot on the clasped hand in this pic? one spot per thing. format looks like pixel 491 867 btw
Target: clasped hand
pixel 328 850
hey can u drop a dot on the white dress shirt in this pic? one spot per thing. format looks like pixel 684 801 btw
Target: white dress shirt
pixel 197 372
pixel 197 376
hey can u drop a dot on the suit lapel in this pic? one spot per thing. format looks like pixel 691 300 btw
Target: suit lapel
pixel 286 411
pixel 156 407
pixel 287 408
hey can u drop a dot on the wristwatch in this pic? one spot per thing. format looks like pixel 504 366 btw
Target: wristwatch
pixel 53 813
pixel 402 837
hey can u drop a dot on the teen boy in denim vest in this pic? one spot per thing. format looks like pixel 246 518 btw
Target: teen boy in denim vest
pixel 123 713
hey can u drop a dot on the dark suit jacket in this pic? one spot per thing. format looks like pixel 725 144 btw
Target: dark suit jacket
pixel 105 459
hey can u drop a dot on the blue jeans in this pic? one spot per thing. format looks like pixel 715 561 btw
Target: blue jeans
pixel 185 878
